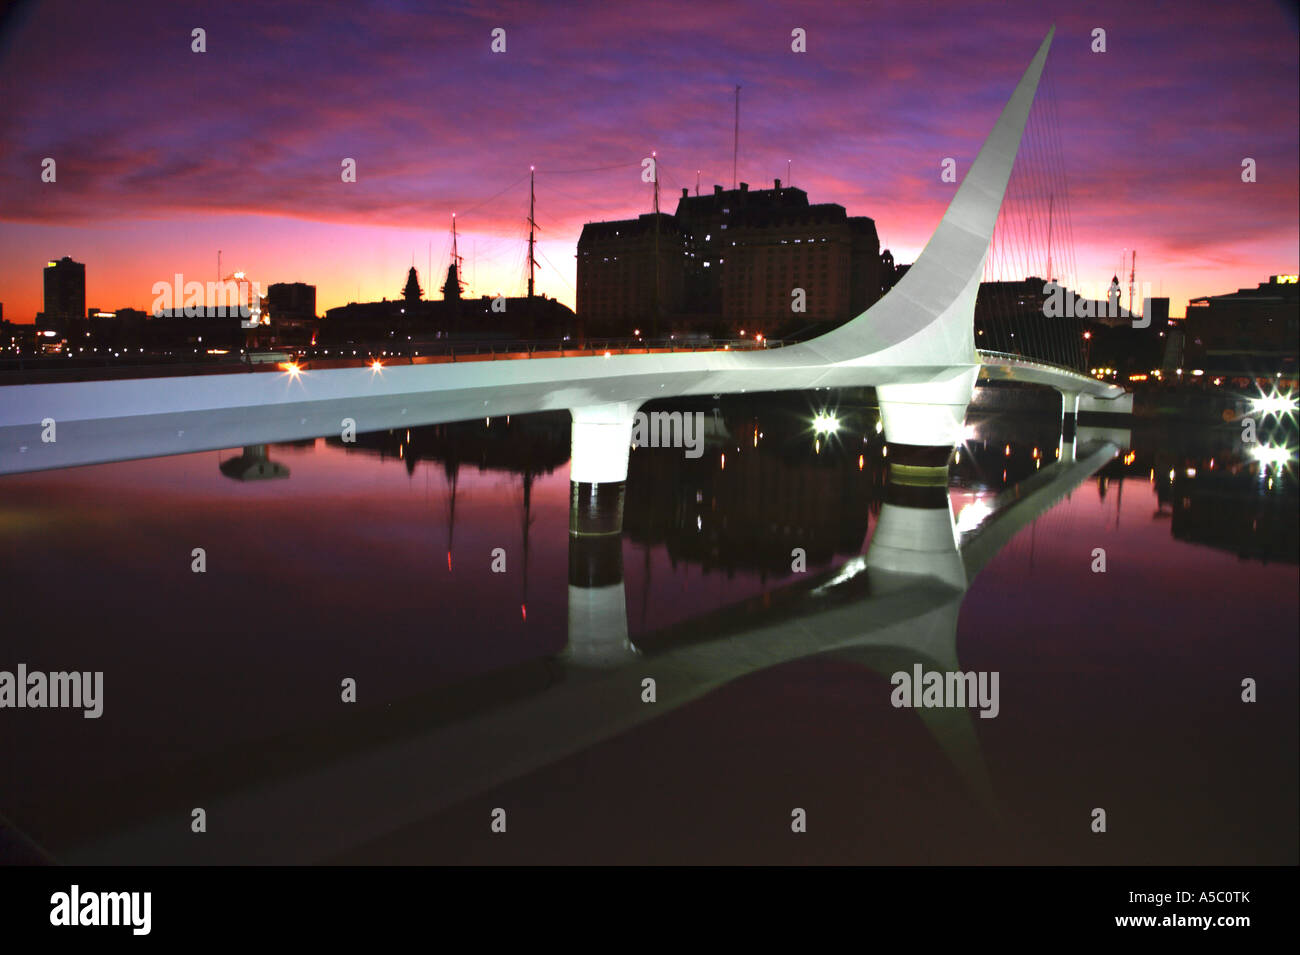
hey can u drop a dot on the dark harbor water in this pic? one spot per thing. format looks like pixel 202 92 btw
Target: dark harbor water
pixel 521 688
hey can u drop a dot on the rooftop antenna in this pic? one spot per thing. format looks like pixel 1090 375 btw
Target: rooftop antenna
pixel 789 176
pixel 531 225
pixel 735 143
pixel 697 183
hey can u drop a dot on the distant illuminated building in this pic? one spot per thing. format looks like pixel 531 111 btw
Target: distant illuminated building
pixel 65 295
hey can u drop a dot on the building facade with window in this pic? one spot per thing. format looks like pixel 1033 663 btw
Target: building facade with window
pixel 731 262
pixel 1248 333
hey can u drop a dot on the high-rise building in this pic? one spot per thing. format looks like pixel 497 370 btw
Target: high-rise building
pixel 757 260
pixel 65 294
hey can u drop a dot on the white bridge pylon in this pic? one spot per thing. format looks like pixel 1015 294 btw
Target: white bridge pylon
pixel 915 345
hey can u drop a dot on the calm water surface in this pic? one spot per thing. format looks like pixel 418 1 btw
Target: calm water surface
pixel 373 561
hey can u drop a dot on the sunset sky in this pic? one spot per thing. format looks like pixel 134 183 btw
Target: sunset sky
pixel 165 156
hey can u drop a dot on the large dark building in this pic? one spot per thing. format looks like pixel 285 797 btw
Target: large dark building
pixel 65 295
pixel 290 317
pixel 728 262
pixel 1248 333
pixel 618 274
pixel 291 301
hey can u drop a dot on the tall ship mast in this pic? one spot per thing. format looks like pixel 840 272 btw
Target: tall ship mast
pixel 454 286
pixel 532 225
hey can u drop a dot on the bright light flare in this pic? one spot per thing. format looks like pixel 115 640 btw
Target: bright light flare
pixel 1271 456
pixel 825 423
pixel 1273 404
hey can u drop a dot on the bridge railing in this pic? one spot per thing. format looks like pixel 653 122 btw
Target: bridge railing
pixel 1029 360
pixel 514 348
pixel 37 369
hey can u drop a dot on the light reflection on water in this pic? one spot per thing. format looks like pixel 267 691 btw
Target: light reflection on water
pixel 374 561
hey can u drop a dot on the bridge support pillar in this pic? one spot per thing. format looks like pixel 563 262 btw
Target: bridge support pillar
pixel 599 443
pixel 929 414
pixel 1069 425
pixel 1069 412
pixel 601 438
pixel 916 533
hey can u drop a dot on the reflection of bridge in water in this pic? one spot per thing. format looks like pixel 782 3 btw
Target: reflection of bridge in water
pixel 728 510
pixel 890 609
